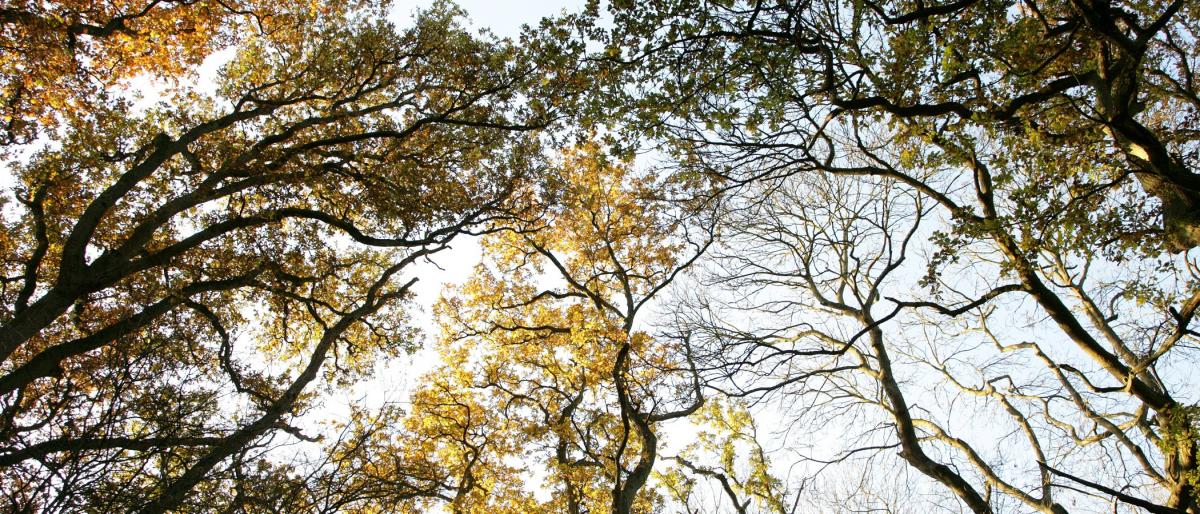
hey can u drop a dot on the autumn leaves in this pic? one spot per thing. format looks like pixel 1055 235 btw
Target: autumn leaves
pixel 179 281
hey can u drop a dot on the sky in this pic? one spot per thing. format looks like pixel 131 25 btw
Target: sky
pixel 503 18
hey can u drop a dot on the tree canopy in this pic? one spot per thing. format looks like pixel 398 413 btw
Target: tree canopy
pixel 737 257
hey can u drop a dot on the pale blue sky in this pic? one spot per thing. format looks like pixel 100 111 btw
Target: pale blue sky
pixel 504 18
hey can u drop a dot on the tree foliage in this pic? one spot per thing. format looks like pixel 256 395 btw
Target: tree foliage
pixel 60 58
pixel 1047 149
pixel 564 377
pixel 737 257
pixel 1103 93
pixel 176 281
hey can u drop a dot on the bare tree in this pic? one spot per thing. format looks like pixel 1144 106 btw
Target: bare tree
pixel 824 312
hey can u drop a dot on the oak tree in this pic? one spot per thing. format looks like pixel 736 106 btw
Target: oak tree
pixel 178 281
pixel 545 360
